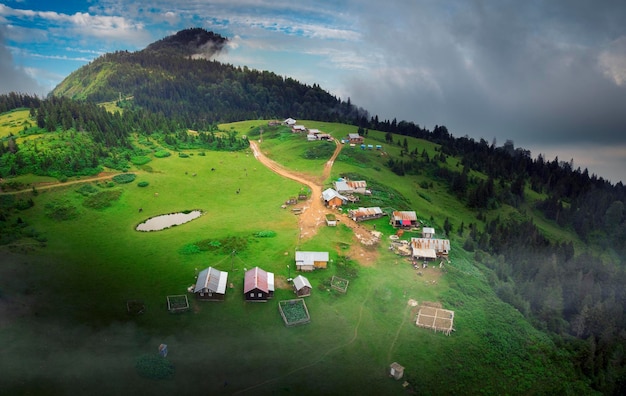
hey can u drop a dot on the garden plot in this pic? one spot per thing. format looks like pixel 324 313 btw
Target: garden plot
pixel 177 303
pixel 435 318
pixel 339 284
pixel 294 312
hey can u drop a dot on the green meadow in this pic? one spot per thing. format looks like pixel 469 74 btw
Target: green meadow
pixel 66 329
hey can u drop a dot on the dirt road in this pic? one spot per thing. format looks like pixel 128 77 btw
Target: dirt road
pixel 49 185
pixel 314 211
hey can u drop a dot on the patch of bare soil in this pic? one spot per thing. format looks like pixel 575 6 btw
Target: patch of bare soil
pixel 280 282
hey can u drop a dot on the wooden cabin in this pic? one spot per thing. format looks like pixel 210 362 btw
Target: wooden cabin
pixel 258 285
pixel 403 219
pixel 211 285
pixel 333 199
pixel 355 138
pixel 362 214
pixel 301 286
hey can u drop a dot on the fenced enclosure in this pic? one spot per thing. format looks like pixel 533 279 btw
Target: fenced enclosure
pixel 433 316
pixel 339 284
pixel 135 307
pixel 294 312
pixel 178 303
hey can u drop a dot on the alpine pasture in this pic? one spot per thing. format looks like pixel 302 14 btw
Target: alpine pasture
pixel 67 329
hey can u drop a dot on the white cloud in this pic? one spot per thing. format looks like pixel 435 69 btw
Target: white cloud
pixel 612 61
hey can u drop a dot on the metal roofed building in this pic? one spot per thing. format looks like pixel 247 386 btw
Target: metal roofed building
pixel 308 261
pixel 404 219
pixel 258 285
pixel 362 214
pixel 211 284
pixel 302 286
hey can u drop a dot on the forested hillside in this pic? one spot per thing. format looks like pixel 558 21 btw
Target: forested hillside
pixel 569 284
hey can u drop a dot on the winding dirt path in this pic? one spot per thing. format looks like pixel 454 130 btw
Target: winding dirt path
pixel 314 212
pixel 49 185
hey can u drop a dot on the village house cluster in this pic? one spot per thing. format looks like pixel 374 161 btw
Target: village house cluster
pixel 258 285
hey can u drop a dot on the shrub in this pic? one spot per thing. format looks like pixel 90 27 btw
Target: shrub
pixel 154 366
pixel 87 190
pixel 188 249
pixel 183 155
pixel 143 184
pixel 124 178
pixel 140 160
pixel 265 234
pixel 61 210
pixel 103 199
pixel 162 154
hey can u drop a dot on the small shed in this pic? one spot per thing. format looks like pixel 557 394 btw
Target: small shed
pixel 258 285
pixel 211 285
pixel 301 286
pixel 396 371
pixel 309 261
pixel 332 198
pixel 428 232
pixel 290 121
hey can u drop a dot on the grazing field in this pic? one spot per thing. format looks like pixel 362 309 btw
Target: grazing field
pixel 67 326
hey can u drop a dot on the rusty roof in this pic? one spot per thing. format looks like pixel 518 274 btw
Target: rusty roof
pixel 256 278
pixel 405 215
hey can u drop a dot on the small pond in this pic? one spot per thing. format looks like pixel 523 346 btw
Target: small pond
pixel 162 222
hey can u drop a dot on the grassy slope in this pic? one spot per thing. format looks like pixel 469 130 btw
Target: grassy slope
pixel 13 122
pixel 78 333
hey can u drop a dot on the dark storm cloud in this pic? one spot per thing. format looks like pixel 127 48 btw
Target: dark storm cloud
pixel 14 78
pixel 527 71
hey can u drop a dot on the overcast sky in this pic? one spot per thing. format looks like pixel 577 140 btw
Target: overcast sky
pixel 549 75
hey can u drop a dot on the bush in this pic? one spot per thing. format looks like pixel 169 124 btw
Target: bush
pixel 103 199
pixel 162 154
pixel 140 160
pixel 265 234
pixel 189 249
pixel 154 367
pixel 61 210
pixel 143 184
pixel 87 190
pixel 183 155
pixel 124 178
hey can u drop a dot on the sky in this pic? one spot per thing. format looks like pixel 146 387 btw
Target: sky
pixel 548 75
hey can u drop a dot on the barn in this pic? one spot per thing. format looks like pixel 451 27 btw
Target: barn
pixel 301 286
pixel 308 261
pixel 211 285
pixel 258 285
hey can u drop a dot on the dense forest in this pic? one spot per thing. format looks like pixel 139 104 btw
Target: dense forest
pixel 574 293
